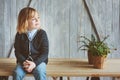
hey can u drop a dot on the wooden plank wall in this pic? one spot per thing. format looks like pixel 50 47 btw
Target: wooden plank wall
pixel 64 21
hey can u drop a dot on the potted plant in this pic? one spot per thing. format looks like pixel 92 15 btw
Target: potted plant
pixel 97 50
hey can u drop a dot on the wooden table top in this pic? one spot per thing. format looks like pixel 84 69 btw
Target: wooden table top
pixel 68 67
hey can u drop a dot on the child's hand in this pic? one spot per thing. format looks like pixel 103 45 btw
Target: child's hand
pixel 25 65
pixel 29 65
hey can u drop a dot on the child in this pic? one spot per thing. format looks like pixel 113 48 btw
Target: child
pixel 31 46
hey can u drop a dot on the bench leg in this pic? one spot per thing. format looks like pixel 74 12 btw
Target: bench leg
pixel 3 77
pixel 93 78
pixel 68 78
pixel 61 78
pixel 87 78
pixel 54 78
pixel 116 78
pixel 113 78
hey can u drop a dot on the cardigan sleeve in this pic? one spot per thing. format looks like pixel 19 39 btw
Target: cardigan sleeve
pixel 19 56
pixel 44 49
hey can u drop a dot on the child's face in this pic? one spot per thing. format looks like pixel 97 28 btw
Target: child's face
pixel 34 22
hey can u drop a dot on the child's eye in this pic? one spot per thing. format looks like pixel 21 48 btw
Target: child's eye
pixel 33 18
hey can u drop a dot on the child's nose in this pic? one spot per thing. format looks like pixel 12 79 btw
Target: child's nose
pixel 37 19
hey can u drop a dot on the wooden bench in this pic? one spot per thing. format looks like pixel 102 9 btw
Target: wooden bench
pixel 58 67
pixel 8 64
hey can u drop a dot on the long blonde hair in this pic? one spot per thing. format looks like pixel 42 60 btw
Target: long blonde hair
pixel 25 14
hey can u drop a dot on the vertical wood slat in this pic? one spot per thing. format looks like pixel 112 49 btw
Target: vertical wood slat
pixel 115 35
pixel 60 22
pixel 2 28
pixel 73 28
pixel 7 26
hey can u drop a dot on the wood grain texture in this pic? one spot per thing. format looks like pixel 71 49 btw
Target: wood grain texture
pixel 69 67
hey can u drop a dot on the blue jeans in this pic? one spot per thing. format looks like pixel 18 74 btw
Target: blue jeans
pixel 39 72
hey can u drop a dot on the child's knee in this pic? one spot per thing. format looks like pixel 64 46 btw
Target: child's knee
pixel 41 68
